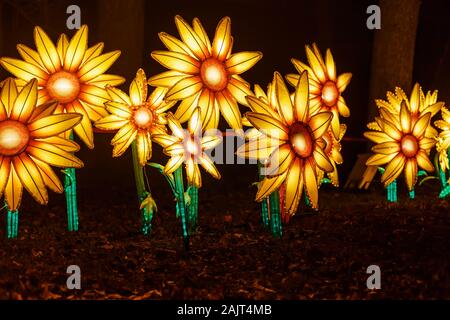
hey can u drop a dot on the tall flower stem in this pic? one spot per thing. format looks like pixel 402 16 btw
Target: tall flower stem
pixel 181 207
pixel 141 190
pixel 392 191
pixel 12 225
pixel 70 189
pixel 275 219
pixel 193 207
pixel 264 202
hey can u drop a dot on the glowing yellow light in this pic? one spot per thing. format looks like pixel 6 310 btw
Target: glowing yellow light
pixel 14 137
pixel 63 86
pixel 213 74
pixel 328 142
pixel 192 147
pixel 143 117
pixel 330 93
pixel 409 146
pixel 301 140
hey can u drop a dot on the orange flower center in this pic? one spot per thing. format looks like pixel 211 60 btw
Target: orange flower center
pixel 213 74
pixel 63 86
pixel 301 139
pixel 330 93
pixel 143 117
pixel 14 137
pixel 409 145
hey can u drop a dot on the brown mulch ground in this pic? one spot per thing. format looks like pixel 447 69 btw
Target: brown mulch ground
pixel 321 256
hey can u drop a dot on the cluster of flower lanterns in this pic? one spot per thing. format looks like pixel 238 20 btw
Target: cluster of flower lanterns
pixel 294 134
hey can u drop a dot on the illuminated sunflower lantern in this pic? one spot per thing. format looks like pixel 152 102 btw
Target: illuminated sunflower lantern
pixel 418 104
pixel 402 145
pixel 325 87
pixel 333 150
pixel 292 144
pixel 443 151
pixel 70 73
pixel 204 74
pixel 135 116
pixel 29 145
pixel 188 147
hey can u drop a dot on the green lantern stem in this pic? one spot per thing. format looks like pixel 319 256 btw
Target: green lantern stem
pixel 412 194
pixel 181 208
pixel 142 192
pixel 193 207
pixel 308 204
pixel 264 203
pixel 12 218
pixel 275 218
pixel 70 189
pixel 392 191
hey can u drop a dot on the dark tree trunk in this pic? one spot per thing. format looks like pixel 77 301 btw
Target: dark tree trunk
pixel 393 49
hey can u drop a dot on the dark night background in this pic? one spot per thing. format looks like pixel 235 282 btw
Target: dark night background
pixel 280 29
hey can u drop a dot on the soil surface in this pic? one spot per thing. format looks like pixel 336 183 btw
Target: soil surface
pixel 322 255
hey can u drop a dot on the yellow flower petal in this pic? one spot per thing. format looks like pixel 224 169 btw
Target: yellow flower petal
pixel 144 147
pixel 187 106
pixel 322 160
pixel 427 143
pixel 390 129
pixel 267 125
pixel 104 80
pixel 30 56
pixel 280 160
pixel 76 49
pixel 118 95
pixel 210 141
pixel 320 123
pixel 331 67
pixel 53 155
pixel 342 107
pixel 64 144
pixel 43 110
pixel 283 99
pixel 269 185
pixel 93 95
pixel 343 80
pixel 414 102
pixel 424 162
pixel 119 109
pixel 198 28
pixel 9 94
pixel 185 88
pixel 195 123
pixel 239 90
pixel 377 137
pixel 222 39
pixel 411 173
pixel 175 127
pixel 53 125
pixel 30 177
pixel 393 169
pixel 242 61
pixel 47 50
pixel 421 125
pixel 166 79
pixel 24 70
pixel 173 164
pixel 309 176
pixel 92 52
pixel 136 94
pixel 294 187
pixel 111 122
pixel 315 65
pixel 84 129
pixel 5 164
pixel 123 139
pixel 387 148
pixel 13 190
pixel 209 166
pixel 193 41
pixel 301 98
pixel 405 118
pixel 229 109
pixel 380 159
pixel 257 105
pixel 49 176
pixel 61 47
pixel 259 148
pixel 177 61
pixel 175 45
pixel 164 140
pixel 300 66
pixel 25 102
pixel 97 66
